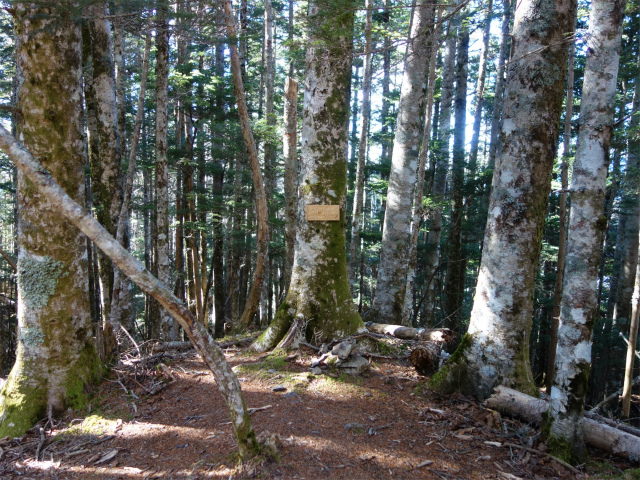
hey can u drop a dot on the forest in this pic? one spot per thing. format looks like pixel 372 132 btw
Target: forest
pixel 320 239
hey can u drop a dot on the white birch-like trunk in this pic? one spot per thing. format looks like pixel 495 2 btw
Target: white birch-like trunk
pixel 55 354
pixel 496 348
pixel 578 307
pixel 391 278
pixel 290 151
pixel 354 258
pixel 319 296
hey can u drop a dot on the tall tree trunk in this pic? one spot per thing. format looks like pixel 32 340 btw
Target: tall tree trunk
pixel 362 149
pixel 166 327
pixel 55 354
pixel 454 288
pixel 106 171
pixel 419 191
pixel 253 297
pixel 319 299
pixel 392 270
pixel 269 153
pixel 440 178
pixel 562 234
pixel 501 316
pixel 290 151
pixel 589 183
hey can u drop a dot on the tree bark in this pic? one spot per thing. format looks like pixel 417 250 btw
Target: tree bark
pixel 167 328
pixel 586 225
pixel 440 178
pixel 106 167
pixel 419 190
pixel 290 151
pixel 496 347
pixel 319 294
pixel 55 354
pixel 362 149
pixel 207 348
pixel 391 278
pixel 562 234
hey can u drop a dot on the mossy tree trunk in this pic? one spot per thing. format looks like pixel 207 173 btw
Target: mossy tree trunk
pixel 55 355
pixel 319 296
pixel 586 225
pixel 394 252
pixel 205 345
pixel 496 347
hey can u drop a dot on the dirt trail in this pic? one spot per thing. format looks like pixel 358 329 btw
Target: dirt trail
pixel 384 424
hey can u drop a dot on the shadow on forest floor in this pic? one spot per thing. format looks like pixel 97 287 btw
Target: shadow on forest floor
pixel 385 424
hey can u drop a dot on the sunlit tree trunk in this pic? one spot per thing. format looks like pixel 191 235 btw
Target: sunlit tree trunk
pixel 586 225
pixel 290 151
pixel 496 348
pixel 562 230
pixel 55 354
pixel 319 298
pixel 391 278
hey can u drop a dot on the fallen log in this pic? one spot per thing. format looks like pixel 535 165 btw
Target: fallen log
pixel 424 358
pixel 596 434
pixel 440 335
pixel 613 423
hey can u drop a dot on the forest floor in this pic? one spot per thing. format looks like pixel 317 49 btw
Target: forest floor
pixel 165 419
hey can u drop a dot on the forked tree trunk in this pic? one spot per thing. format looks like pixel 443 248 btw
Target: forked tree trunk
pixel 55 354
pixel 391 278
pixel 319 298
pixel 496 348
pixel 589 182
